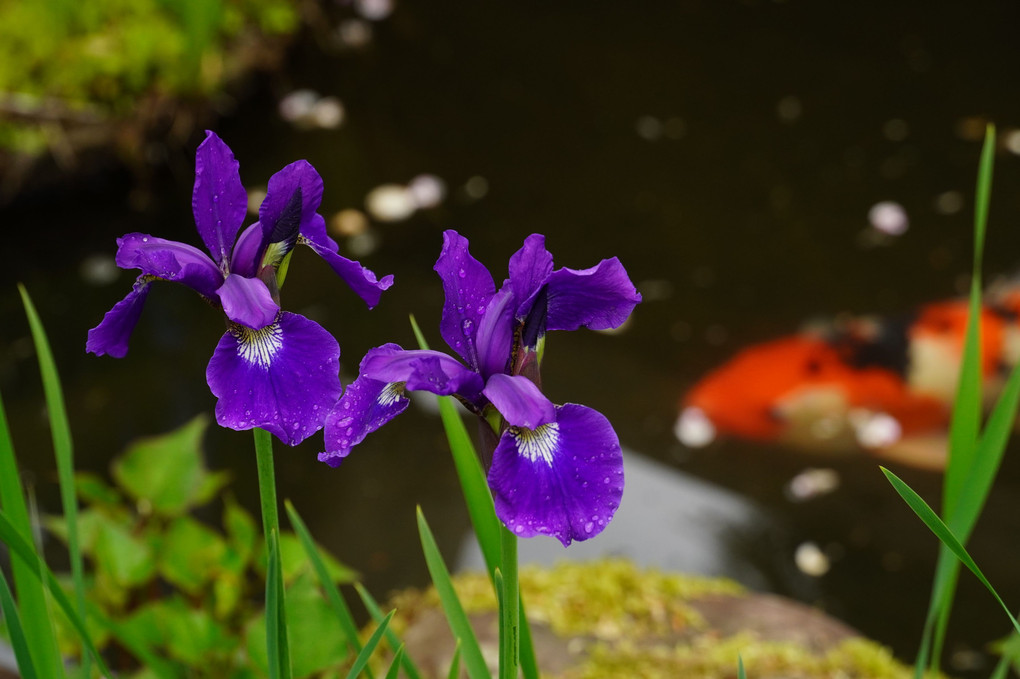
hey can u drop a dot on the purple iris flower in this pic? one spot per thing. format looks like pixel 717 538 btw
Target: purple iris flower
pixel 555 469
pixel 272 369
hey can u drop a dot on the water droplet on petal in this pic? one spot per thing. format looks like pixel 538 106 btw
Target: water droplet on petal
pixel 588 527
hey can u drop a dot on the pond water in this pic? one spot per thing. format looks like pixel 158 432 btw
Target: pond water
pixel 727 152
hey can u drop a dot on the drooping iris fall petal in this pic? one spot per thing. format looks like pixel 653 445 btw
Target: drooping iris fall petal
pixel 169 260
pixel 366 405
pixel 113 332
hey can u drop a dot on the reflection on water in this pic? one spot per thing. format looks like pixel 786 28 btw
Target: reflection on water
pixel 729 153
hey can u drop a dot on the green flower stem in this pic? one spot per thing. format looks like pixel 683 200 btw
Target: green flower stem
pixel 276 628
pixel 509 617
pixel 267 482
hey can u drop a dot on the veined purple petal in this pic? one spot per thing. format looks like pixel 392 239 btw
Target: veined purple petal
pixel 247 301
pixel 424 370
pixel 361 280
pixel 365 406
pixel 529 269
pixel 495 336
pixel 113 332
pixel 282 378
pixel 170 261
pixel 599 298
pixel 219 200
pixel 244 260
pixel 519 401
pixel 468 287
pixel 315 232
pixel 563 479
pixel 281 188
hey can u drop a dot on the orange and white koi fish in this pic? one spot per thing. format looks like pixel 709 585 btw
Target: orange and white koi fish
pixel 884 386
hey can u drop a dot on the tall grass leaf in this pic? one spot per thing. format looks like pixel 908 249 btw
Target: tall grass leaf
pixel 336 600
pixel 455 615
pixel 366 653
pixel 942 532
pixel 740 668
pixel 25 552
pixel 33 609
pixel 454 663
pixel 394 671
pixel 63 447
pixel 17 635
pixel 372 606
pixel 276 624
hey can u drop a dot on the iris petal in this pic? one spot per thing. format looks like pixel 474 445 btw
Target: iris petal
pixel 361 280
pixel 494 340
pixel 529 269
pixel 247 301
pixel 244 260
pixel 519 401
pixel 468 287
pixel 219 201
pixel 170 261
pixel 423 370
pixel 598 298
pixel 563 479
pixel 280 190
pixel 282 378
pixel 113 332
pixel 366 405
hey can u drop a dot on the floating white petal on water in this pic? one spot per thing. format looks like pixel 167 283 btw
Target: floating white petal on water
pixel 875 430
pixel 99 270
pixel 889 217
pixel 349 222
pixel 476 187
pixel 789 109
pixel 427 190
pixel 693 428
pixel 648 127
pixel 327 113
pixel 949 202
pixel 811 483
pixel 255 198
pixel 1011 140
pixel 390 203
pixel 353 34
pixel 374 10
pixel 811 560
pixel 298 105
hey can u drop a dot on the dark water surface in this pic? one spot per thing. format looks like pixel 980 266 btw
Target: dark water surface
pixel 727 152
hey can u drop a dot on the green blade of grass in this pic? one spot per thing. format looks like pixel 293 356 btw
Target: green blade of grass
pixel 455 615
pixel 25 552
pixel 63 449
pixel 372 606
pixel 362 660
pixel 15 632
pixel 336 600
pixel 943 533
pixel 394 671
pixel 740 668
pixel 33 609
pixel 454 663
pixel 276 624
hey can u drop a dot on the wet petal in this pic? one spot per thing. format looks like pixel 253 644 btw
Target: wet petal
pixel 494 340
pixel 113 332
pixel 247 301
pixel 170 261
pixel 599 298
pixel 244 260
pixel 365 406
pixel 361 280
pixel 468 287
pixel 282 378
pixel 529 269
pixel 564 479
pixel 424 370
pixel 519 401
pixel 219 201
pixel 280 191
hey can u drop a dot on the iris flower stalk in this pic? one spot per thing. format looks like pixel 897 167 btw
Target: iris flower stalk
pixel 273 371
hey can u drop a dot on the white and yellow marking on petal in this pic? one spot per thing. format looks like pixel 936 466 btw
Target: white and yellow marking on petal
pixel 538 444
pixel 259 347
pixel 391 393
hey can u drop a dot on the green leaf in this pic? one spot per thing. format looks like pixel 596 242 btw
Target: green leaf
pixel 942 532
pixel 362 660
pixel 94 490
pixel 277 650
pixel 454 672
pixel 191 554
pixel 166 474
pixel 740 668
pixel 14 631
pixel 394 671
pixel 455 615
pixel 372 606
pixel 241 529
pixel 121 556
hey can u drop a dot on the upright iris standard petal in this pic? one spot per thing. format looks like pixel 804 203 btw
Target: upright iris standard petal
pixel 245 259
pixel 361 280
pixel 366 405
pixel 170 261
pixel 218 200
pixel 599 298
pixel 529 269
pixel 563 479
pixel 519 401
pixel 282 378
pixel 113 332
pixel 425 370
pixel 495 336
pixel 468 286
pixel 247 301
pixel 281 189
